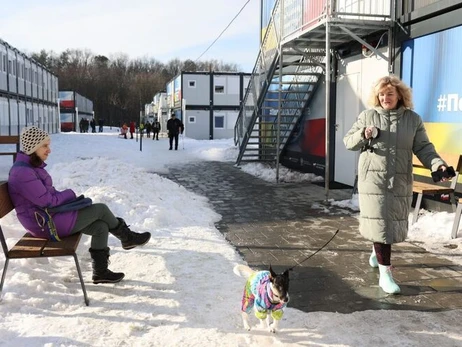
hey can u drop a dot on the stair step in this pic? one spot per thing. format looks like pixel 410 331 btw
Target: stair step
pixel 292 82
pixel 288 100
pixel 282 108
pixel 261 149
pixel 265 123
pixel 267 137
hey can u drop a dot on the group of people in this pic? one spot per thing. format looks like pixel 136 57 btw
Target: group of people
pixel 147 127
pixel 153 127
pixel 387 136
pixel 175 127
pixel 84 125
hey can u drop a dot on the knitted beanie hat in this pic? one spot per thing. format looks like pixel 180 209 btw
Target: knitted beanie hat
pixel 32 138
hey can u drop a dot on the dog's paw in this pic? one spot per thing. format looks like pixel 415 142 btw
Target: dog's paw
pixel 247 326
pixel 272 328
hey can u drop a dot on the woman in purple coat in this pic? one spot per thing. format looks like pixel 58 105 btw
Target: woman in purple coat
pixel 32 192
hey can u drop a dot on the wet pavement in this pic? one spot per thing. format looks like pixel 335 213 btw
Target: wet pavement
pixel 283 224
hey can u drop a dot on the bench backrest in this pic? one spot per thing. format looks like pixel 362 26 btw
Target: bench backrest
pixel 10 140
pixel 454 160
pixel 6 206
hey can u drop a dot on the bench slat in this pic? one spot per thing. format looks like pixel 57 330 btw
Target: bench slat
pixel 427 188
pixel 28 247
pixel 67 246
pixel 33 247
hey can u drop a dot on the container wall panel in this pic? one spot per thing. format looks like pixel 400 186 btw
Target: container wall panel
pixel 3 67
pixel 34 80
pixel 40 83
pixel 11 71
pixel 196 89
pixel 13 117
pixel 20 75
pixel 197 124
pixel 4 116
pixel 230 87
pixel 27 77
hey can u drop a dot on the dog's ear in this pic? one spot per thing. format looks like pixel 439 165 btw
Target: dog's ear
pixel 286 274
pixel 272 273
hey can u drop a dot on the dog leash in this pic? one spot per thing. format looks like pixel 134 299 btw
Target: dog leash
pixel 319 250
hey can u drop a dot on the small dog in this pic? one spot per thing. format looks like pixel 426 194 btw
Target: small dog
pixel 265 291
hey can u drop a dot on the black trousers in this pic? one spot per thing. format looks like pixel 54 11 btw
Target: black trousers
pixel 171 137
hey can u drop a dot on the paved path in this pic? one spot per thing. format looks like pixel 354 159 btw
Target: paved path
pixel 282 224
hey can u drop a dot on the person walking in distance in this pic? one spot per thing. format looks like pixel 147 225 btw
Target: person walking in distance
pixel 387 135
pixel 155 130
pixel 174 128
pixel 132 129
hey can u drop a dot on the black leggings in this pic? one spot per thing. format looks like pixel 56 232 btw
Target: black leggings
pixel 383 253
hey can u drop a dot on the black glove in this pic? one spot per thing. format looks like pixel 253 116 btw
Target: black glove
pixel 439 174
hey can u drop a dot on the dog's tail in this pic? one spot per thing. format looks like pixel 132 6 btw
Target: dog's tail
pixel 243 271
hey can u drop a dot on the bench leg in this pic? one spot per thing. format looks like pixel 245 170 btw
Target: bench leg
pixel 453 201
pixel 85 297
pixel 455 226
pixel 417 208
pixel 5 267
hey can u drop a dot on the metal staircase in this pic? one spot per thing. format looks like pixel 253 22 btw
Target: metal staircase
pixel 283 82
pixel 291 65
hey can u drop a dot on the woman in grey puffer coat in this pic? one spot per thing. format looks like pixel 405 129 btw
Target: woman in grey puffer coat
pixel 387 136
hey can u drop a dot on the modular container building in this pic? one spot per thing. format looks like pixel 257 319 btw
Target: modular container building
pixel 207 102
pixel 73 108
pixel 28 93
pixel 161 110
pixel 317 63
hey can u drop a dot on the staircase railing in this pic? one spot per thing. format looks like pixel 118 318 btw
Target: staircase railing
pixel 294 104
pixel 259 81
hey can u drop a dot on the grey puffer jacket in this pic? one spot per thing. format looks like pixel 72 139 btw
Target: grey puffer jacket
pixel 385 174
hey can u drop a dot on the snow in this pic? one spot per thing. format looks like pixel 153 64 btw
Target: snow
pixel 179 289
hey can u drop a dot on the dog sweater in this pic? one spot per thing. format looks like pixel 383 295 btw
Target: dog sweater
pixel 256 293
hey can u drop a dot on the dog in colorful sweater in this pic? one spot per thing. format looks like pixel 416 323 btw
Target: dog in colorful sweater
pixel 267 293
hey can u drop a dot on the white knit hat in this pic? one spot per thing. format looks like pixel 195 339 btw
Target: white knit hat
pixel 32 138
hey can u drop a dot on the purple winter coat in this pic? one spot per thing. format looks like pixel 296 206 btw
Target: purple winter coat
pixel 31 189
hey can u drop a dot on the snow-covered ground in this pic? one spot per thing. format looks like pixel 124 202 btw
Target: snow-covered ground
pixel 179 289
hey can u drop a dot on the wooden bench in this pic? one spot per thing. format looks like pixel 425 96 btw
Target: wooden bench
pixel 455 226
pixel 10 140
pixel 423 188
pixel 33 247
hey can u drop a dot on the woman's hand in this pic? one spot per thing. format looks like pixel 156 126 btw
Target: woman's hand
pixel 370 132
pixel 443 168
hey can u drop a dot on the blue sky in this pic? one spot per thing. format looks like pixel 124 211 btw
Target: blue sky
pixel 139 28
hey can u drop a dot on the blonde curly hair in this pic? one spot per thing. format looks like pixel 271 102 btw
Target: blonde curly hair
pixel 404 92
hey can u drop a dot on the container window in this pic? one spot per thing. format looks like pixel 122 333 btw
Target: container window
pixel 219 89
pixel 219 122
pixel 192 84
pixel 192 119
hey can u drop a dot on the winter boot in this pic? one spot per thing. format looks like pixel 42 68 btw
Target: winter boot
pixel 129 238
pixel 373 259
pixel 386 281
pixel 101 274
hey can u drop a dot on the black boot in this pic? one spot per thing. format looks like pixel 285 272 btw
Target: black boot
pixel 101 274
pixel 129 238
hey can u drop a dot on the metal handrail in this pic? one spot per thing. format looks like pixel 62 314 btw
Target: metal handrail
pixel 265 55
